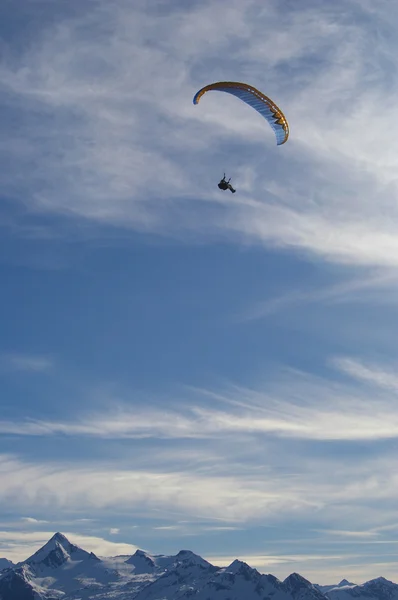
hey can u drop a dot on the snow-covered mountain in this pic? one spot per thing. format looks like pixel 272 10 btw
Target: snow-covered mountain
pixel 61 570
pixel 5 564
pixel 302 589
pixel 56 553
pixel 201 580
pixel 327 588
pixel 375 589
pixel 16 585
pixel 187 573
pixel 158 563
pixel 57 570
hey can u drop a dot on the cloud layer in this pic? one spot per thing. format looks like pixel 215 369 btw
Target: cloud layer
pixel 300 406
pixel 276 450
pixel 110 135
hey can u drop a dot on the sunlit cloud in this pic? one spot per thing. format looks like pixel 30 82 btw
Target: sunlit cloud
pixel 350 534
pixel 371 374
pixel 32 521
pixel 262 561
pixel 225 496
pixel 298 406
pixel 233 495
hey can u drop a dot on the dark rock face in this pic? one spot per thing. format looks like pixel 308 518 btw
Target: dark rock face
pixel 14 585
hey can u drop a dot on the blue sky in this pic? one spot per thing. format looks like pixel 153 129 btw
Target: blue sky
pixel 182 367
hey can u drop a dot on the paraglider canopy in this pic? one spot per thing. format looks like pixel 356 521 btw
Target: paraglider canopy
pixel 257 100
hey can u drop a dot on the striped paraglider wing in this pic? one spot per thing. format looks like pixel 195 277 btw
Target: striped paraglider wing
pixel 257 100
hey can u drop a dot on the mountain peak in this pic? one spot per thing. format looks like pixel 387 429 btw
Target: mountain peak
pixel 379 588
pixel 56 552
pixel 296 580
pixel 236 565
pixel 5 564
pixel 60 538
pixel 142 562
pixel 139 552
pixel 379 581
pixel 299 587
pixel 62 570
pixel 188 557
pixel 183 553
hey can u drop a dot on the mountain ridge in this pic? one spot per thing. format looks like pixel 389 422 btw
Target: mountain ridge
pixel 60 569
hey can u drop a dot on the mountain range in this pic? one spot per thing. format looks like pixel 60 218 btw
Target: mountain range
pixel 61 570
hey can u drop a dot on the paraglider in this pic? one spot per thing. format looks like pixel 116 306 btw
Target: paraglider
pixel 257 100
pixel 225 185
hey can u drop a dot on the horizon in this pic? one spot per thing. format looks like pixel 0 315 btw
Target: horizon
pixel 182 550
pixel 182 366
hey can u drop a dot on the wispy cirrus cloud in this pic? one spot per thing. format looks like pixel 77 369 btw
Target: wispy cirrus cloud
pixel 350 534
pixel 32 521
pixel 226 497
pixel 116 83
pixel 266 457
pixel 374 375
pixel 251 431
pixel 29 363
pixel 298 406
pixel 233 495
pixel 378 288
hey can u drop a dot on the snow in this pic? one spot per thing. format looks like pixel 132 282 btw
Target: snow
pixel 61 570
pixel 375 589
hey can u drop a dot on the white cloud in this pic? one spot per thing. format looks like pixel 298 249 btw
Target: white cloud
pixel 264 457
pixel 129 140
pixel 264 560
pixel 296 406
pixel 350 534
pixel 234 493
pixel 32 521
pixel 100 546
pixel 66 488
pixel 354 290
pixel 371 374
